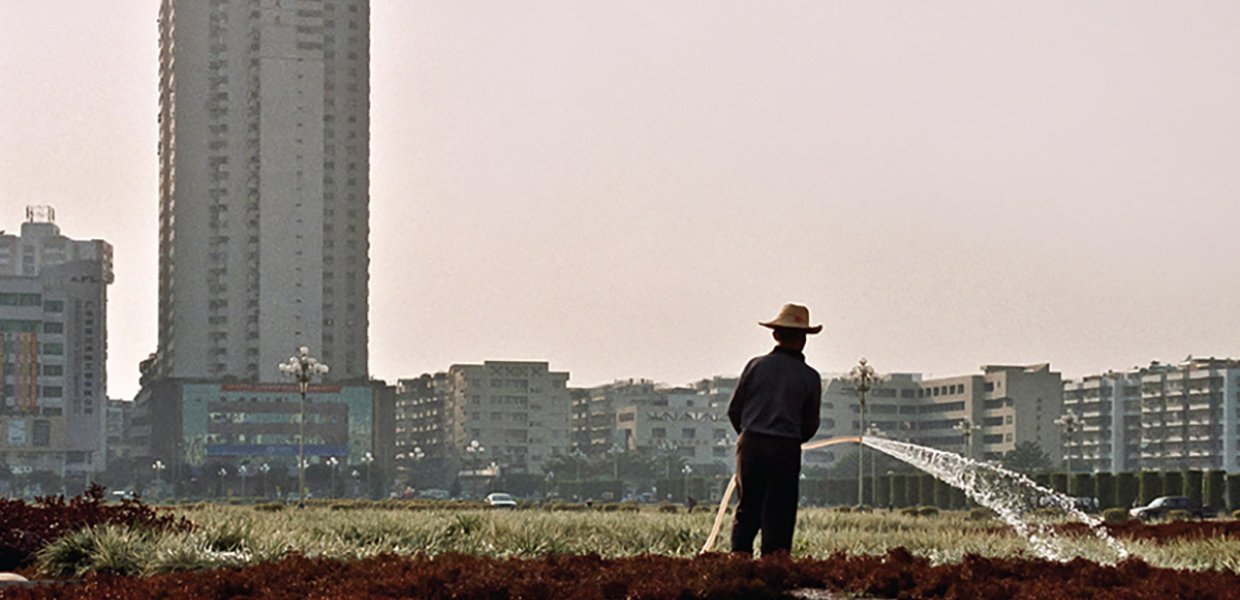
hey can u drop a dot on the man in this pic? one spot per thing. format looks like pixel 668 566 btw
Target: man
pixel 775 410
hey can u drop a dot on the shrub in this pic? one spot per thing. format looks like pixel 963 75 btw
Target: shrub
pixel 1104 490
pixel 25 528
pixel 1235 514
pixel 909 511
pixel 1179 514
pixel 1194 487
pixel 269 507
pixel 981 514
pixel 1127 489
pixel 1215 489
pixel 927 511
pixel 843 509
pixel 1151 484
pixel 1116 515
pixel 667 507
pixel 1233 491
pixel 1173 483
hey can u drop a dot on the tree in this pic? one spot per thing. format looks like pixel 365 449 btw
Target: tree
pixel 1027 457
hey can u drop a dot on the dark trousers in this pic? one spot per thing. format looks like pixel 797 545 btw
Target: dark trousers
pixel 768 471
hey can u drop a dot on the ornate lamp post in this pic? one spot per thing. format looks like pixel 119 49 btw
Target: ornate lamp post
pixel 332 462
pixel 264 469
pixel 966 428
pixel 158 466
pixel 474 450
pixel 368 459
pixel 615 452
pixel 873 431
pixel 302 368
pixel 863 377
pixel 1069 422
pixel 223 473
pixel 243 471
pixel 687 470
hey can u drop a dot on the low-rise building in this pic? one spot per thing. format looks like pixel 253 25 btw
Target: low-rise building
pixel 983 416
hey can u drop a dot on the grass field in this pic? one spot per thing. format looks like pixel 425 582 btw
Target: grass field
pixel 239 535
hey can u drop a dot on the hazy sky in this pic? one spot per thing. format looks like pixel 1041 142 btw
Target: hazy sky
pixel 625 188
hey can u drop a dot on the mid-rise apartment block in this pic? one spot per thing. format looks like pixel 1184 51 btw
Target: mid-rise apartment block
pixel 983 415
pixel 479 421
pixel 1160 417
pixel 53 349
pixel 638 414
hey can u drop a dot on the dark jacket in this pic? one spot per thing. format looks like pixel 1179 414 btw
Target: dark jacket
pixel 778 394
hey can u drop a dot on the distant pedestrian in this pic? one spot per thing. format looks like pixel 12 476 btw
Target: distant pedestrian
pixel 690 503
pixel 775 409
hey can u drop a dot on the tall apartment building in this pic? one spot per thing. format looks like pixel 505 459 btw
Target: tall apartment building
pixel 264 202
pixel 1160 417
pixel 53 349
pixel 1004 406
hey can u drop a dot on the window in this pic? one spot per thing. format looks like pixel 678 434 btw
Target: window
pixel 20 299
pixel 42 434
pixel 53 306
pixel 688 433
pixel 53 391
pixel 658 432
pixel 53 349
pixel 53 327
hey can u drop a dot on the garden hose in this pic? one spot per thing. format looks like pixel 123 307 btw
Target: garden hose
pixel 727 494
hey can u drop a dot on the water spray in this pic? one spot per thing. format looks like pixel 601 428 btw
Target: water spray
pixel 1011 495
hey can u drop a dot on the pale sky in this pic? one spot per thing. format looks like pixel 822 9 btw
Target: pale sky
pixel 625 188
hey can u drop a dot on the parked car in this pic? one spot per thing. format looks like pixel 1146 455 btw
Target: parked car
pixel 500 500
pixel 1161 507
pixel 433 494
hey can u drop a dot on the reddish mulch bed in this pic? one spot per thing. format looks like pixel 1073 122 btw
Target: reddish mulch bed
pixel 895 575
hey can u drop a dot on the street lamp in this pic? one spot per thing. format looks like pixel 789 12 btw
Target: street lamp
pixel 332 462
pixel 243 471
pixel 1069 422
pixel 687 470
pixel 966 428
pixel 417 455
pixel 615 452
pixel 368 459
pixel 873 431
pixel 158 466
pixel 223 473
pixel 863 377
pixel 475 451
pixel 302 368
pixel 264 469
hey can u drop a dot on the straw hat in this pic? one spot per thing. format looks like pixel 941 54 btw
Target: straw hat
pixel 793 316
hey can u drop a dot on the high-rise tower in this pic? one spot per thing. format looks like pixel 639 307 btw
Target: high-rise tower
pixel 264 202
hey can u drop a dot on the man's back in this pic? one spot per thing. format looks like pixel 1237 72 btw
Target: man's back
pixel 778 395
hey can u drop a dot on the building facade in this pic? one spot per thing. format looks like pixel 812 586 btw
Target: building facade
pixel 520 412
pixel 1160 417
pixel 982 416
pixel 197 428
pixel 264 178
pixel 53 350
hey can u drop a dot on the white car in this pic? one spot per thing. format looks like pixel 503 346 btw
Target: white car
pixel 500 500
